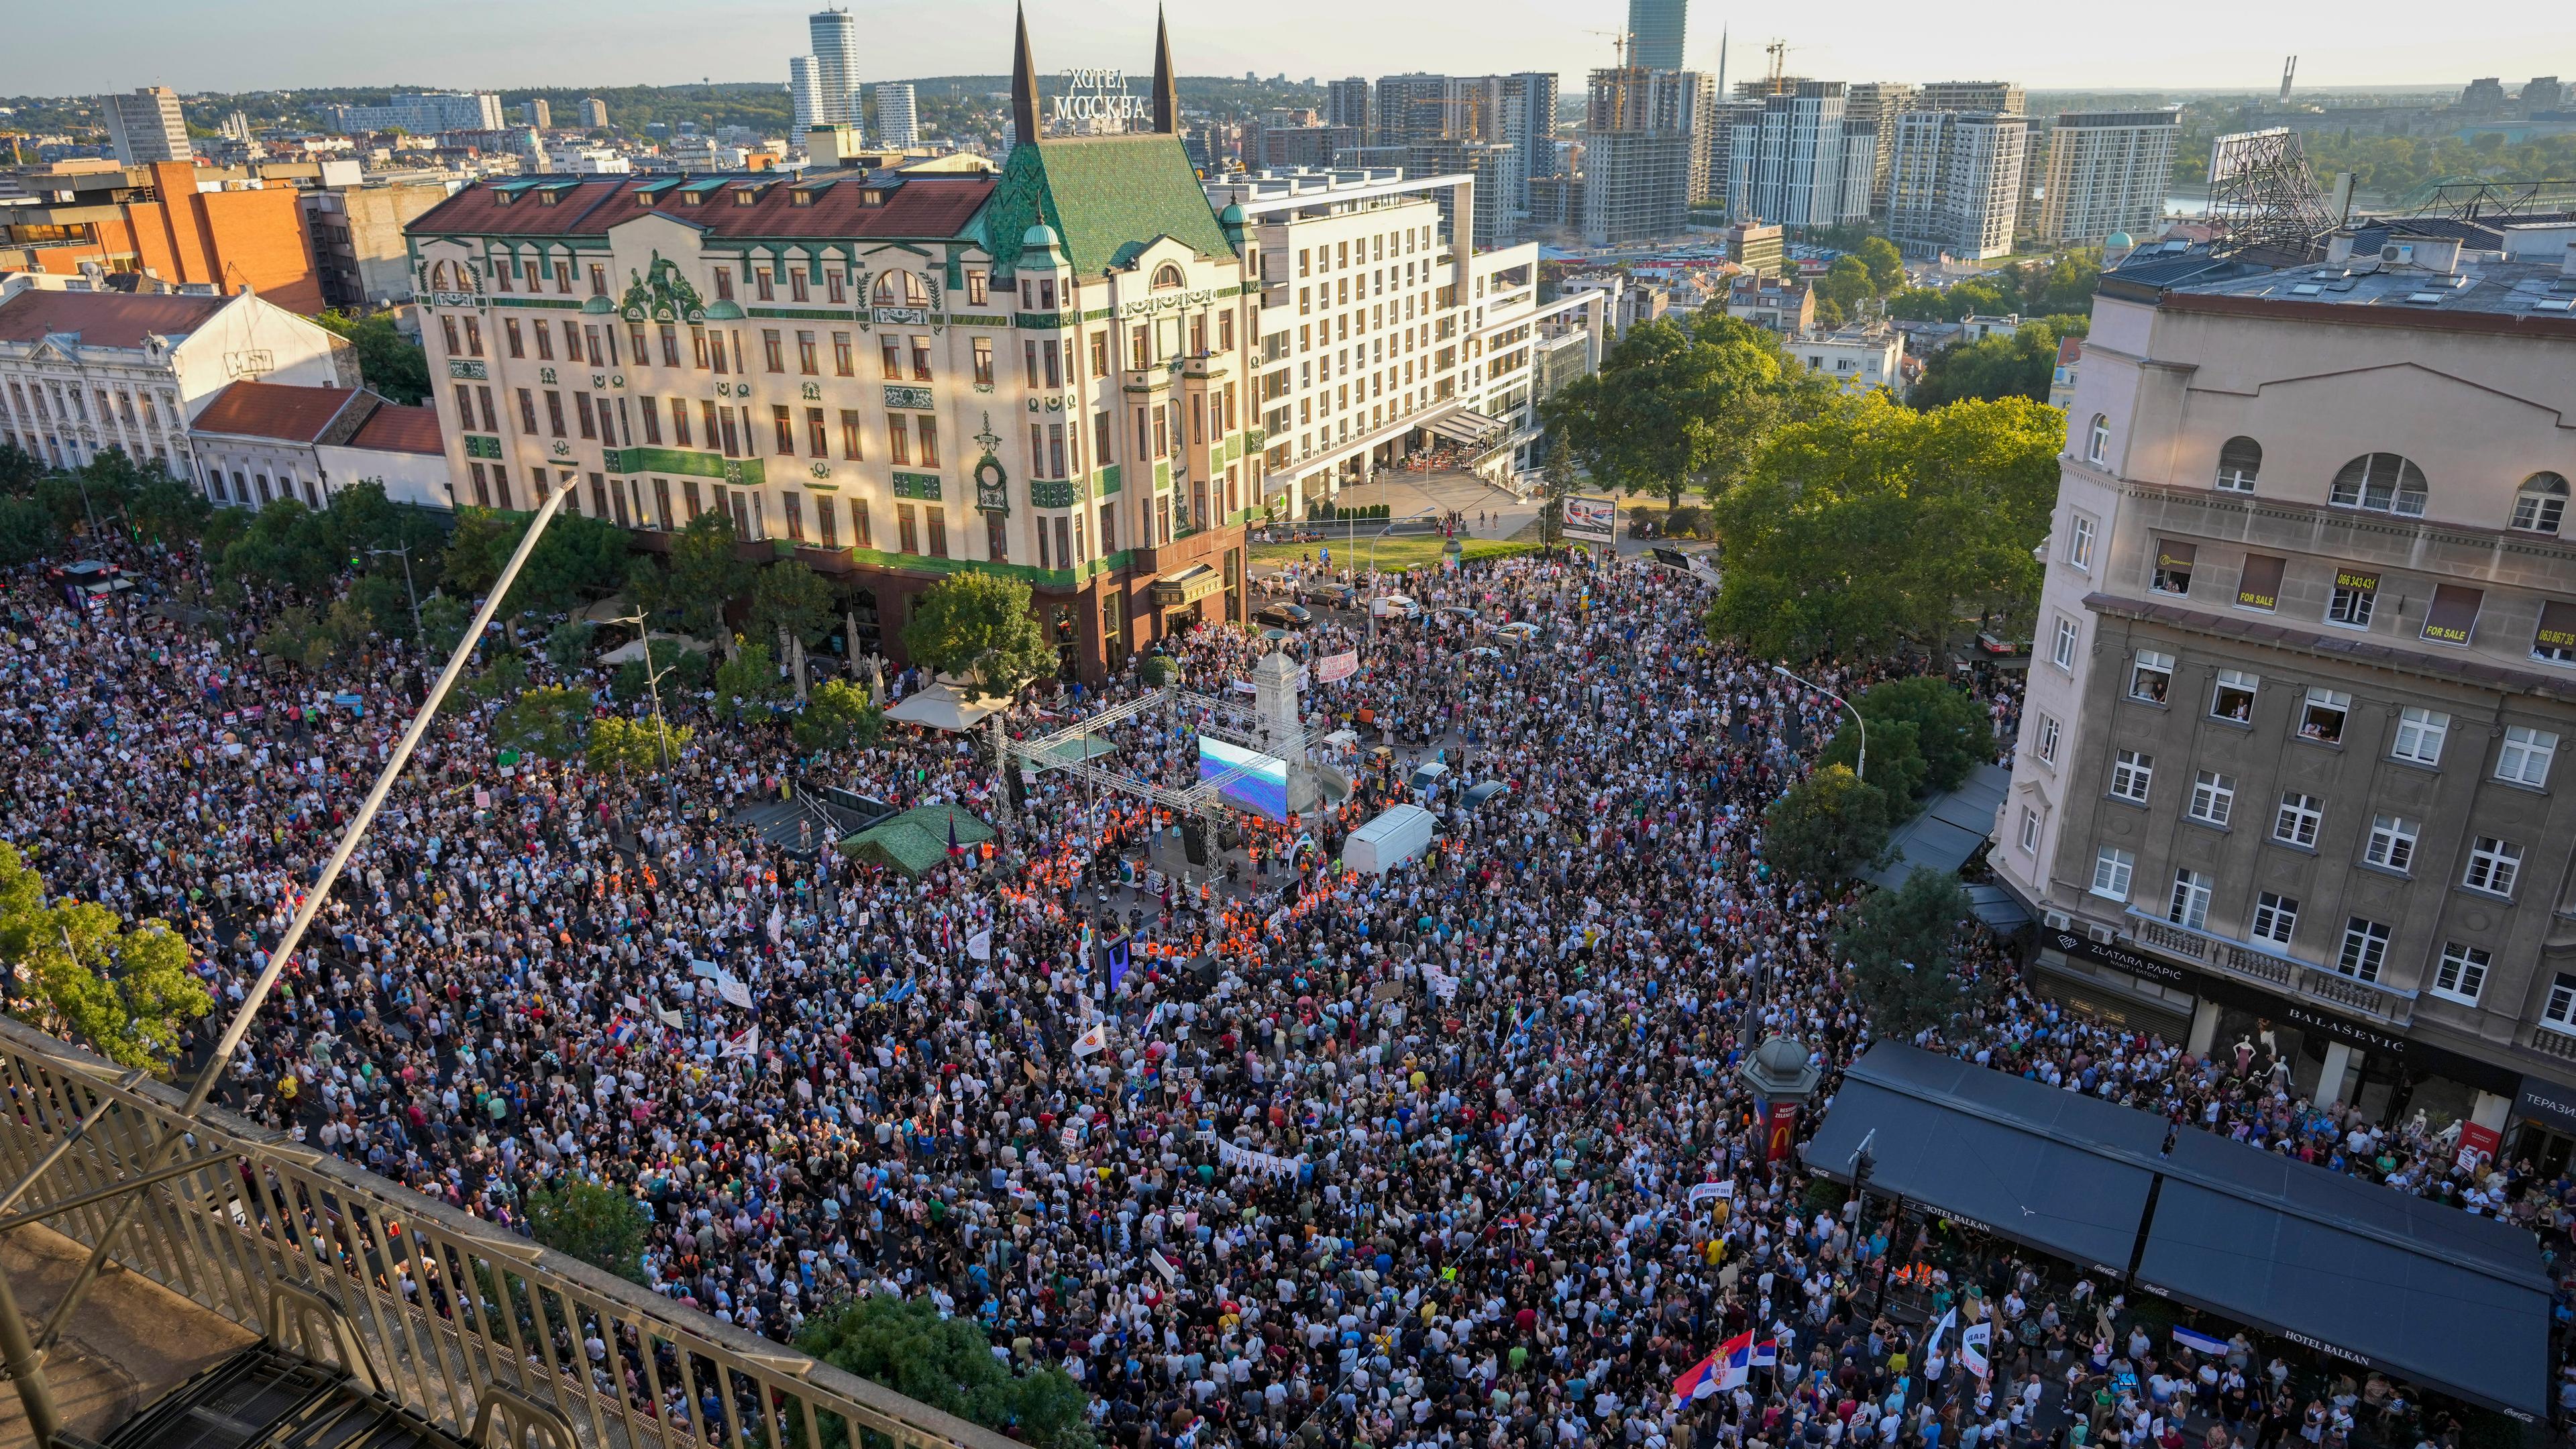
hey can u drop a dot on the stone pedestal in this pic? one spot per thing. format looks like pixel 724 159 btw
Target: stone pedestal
pixel 1282 728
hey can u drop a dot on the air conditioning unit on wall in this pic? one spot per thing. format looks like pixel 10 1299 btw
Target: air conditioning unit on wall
pixel 2102 935
pixel 2058 920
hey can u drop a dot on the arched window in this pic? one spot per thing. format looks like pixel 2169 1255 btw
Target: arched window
pixel 2097 446
pixel 2381 482
pixel 2238 462
pixel 2541 503
pixel 1166 277
pixel 901 289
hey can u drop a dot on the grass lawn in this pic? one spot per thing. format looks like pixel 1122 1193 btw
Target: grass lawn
pixel 1391 554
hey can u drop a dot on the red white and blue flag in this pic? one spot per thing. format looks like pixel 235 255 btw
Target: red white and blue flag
pixel 1728 1368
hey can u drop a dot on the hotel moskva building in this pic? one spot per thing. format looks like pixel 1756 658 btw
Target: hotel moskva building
pixel 1079 371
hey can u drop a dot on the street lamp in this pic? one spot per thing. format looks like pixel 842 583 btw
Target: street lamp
pixel 408 591
pixel 652 684
pixel 1862 773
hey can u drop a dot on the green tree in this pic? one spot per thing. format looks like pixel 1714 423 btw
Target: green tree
pixel 550 721
pixel 748 683
pixel 1825 538
pixel 680 667
pixel 1952 732
pixel 443 621
pixel 19 470
pixel 689 590
pixel 580 559
pixel 285 543
pixel 948 1364
pixel 980 627
pixel 1885 264
pixel 1680 406
pixel 790 596
pixel 2021 365
pixel 27 532
pixel 1896 765
pixel 1827 828
pixel 168 512
pixel 634 746
pixel 597 1224
pixel 1847 283
pixel 1924 304
pixel 315 640
pixel 1902 946
pixel 837 715
pixel 75 968
pixel 1556 484
pixel 568 645
pixel 391 363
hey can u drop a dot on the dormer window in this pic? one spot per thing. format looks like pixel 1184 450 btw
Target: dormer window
pixel 800 198
pixel 693 198
pixel 745 197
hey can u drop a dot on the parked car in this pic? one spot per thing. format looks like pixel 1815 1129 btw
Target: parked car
pixel 1283 616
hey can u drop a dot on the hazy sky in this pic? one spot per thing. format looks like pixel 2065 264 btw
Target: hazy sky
pixel 57 48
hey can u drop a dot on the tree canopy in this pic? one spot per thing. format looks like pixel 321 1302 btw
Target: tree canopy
pixel 2021 365
pixel 947 1363
pixel 1903 949
pixel 689 590
pixel 391 363
pixel 1683 405
pixel 1829 540
pixel 979 627
pixel 599 1225
pixel 72 965
pixel 1827 828
pixel 579 560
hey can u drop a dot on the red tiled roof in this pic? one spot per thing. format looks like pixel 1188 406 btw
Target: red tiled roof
pixel 103 319
pixel 273 410
pixel 394 428
pixel 917 206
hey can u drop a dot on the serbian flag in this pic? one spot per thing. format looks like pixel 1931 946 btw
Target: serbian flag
pixel 1766 1354
pixel 1698 1383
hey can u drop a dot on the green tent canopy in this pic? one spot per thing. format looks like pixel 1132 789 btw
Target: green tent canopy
pixel 916 840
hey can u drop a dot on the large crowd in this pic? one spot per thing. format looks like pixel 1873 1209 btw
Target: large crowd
pixel 1453 1155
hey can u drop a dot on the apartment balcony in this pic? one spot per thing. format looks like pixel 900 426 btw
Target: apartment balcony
pixel 2387 1005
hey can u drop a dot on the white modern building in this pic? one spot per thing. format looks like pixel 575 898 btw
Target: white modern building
pixel 83 371
pixel 1383 328
pixel 836 67
pixel 2106 173
pixel 1800 162
pixel 423 113
pixel 1954 184
pixel 145 126
pixel 898 121
pixel 804 92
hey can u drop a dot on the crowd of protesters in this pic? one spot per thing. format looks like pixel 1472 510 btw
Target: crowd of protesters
pixel 1451 1155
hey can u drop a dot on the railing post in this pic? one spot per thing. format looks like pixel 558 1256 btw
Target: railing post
pixel 18 1355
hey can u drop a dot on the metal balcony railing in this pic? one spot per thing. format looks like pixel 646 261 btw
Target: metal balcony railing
pixel 444 1307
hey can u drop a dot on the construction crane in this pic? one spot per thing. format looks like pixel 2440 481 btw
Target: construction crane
pixel 1778 50
pixel 1618 44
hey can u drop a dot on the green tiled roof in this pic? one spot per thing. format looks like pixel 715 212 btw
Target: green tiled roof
pixel 1108 197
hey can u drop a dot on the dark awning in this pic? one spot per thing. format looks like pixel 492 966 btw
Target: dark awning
pixel 2349 1268
pixel 1953 824
pixel 2356 1270
pixel 1993 1151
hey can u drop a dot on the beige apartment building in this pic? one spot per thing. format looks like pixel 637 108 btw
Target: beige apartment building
pixel 2305 672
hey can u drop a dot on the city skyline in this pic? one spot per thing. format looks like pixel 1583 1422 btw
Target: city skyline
pixel 294 44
